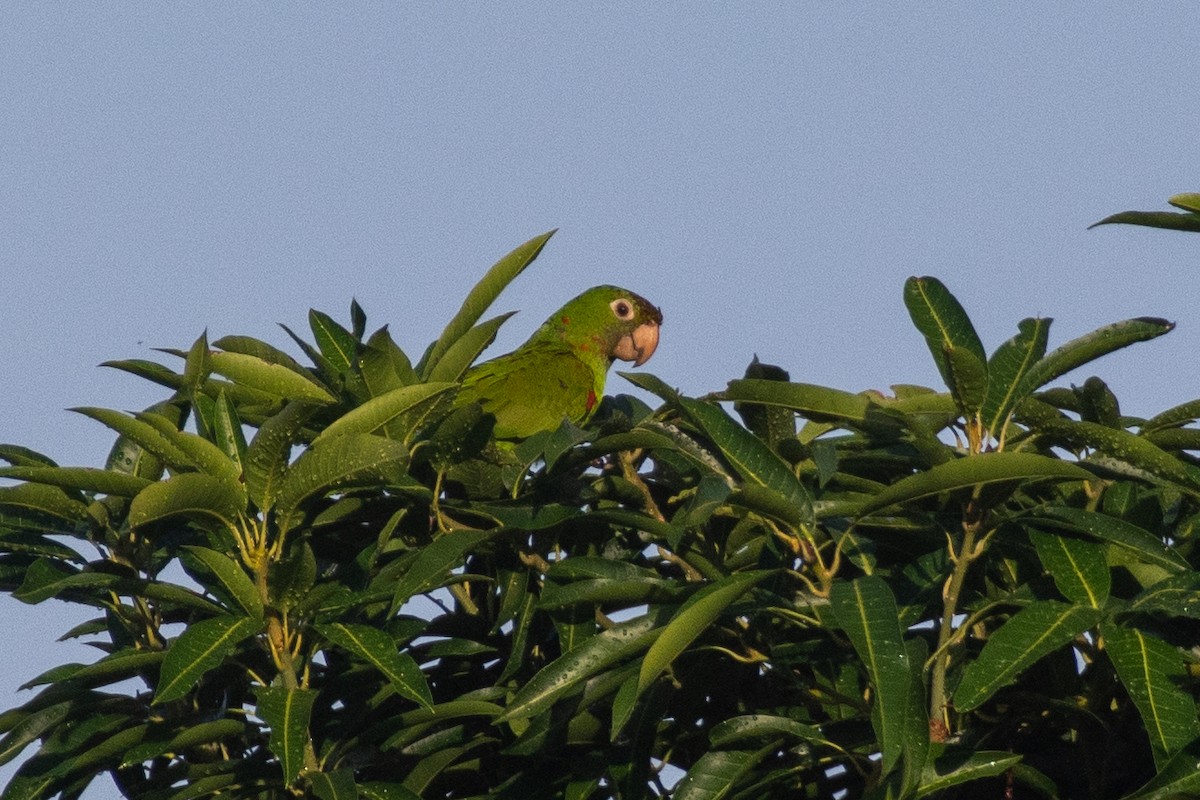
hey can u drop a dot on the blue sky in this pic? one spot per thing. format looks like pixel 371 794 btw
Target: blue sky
pixel 767 173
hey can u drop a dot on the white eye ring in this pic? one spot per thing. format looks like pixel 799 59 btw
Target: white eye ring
pixel 622 308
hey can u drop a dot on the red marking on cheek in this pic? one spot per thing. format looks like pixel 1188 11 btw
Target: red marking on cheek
pixel 591 400
pixel 566 320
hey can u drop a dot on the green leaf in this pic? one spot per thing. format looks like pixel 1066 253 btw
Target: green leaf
pixel 433 564
pixel 31 728
pixel 264 376
pixel 1122 446
pixel 336 785
pixel 337 344
pixel 750 456
pixel 190 494
pixel 1176 415
pixel 43 499
pixel 287 712
pixel 692 620
pixel 462 354
pixel 481 298
pixel 1188 201
pixel 20 456
pixel 1153 219
pixel 172 741
pixel 813 402
pixel 249 346
pixel 969 380
pixel 568 673
pixel 269 452
pixel 379 411
pixel 1176 596
pixel 339 463
pixel 718 773
pixel 1007 369
pixel 1135 541
pixel 959 767
pixel 202 646
pixel 87 479
pixel 940 318
pixel 47 578
pixel 228 434
pixel 963 473
pixel 866 610
pixel 1089 347
pixel 141 433
pixel 200 452
pixel 1079 568
pixel 383 365
pixel 1033 632
pixel 760 727
pixel 232 577
pixel 386 791
pixel 378 649
pixel 1153 673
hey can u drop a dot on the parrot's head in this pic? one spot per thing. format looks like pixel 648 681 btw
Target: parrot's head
pixel 614 321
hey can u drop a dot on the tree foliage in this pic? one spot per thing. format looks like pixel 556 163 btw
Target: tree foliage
pixel 321 578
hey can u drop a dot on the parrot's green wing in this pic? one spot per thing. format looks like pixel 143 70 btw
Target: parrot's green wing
pixel 533 389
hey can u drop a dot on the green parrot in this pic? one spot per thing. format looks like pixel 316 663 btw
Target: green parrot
pixel 559 372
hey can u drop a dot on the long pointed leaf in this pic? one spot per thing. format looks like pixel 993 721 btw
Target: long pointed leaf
pixel 191 494
pixel 481 298
pixel 339 463
pixel 750 456
pixel 264 376
pixel 87 479
pixel 287 712
pixel 1079 568
pixel 1135 541
pixel 940 318
pixel 1091 346
pixel 462 354
pixel 202 646
pixel 696 615
pixel 1033 632
pixel 1007 368
pixel 378 649
pixel 382 410
pixel 963 473
pixel 571 671
pixel 1153 673
pixel 866 610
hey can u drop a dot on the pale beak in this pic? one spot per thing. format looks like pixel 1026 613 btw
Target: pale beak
pixel 639 345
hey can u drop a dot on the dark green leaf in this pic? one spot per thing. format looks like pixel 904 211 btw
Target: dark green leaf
pixel 1033 632
pixel 339 463
pixel 866 610
pixel 201 647
pixel 1153 673
pixel 378 649
pixel 1089 347
pixel 940 318
pixel 1007 369
pixel 287 712
pixel 1079 568
pixel 692 620
pixel 233 579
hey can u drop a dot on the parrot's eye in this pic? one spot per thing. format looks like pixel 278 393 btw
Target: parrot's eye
pixel 623 309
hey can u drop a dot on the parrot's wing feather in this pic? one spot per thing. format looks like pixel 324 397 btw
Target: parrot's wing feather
pixel 533 389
